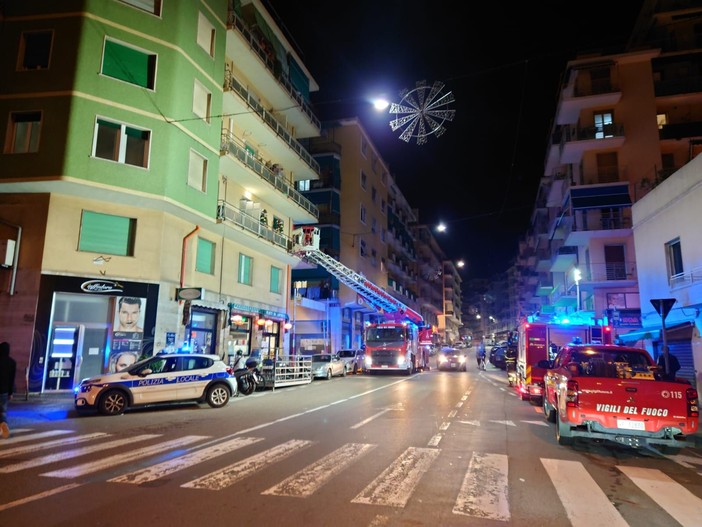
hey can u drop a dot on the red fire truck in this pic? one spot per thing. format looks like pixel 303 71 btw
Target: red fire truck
pixel 393 345
pixel 542 341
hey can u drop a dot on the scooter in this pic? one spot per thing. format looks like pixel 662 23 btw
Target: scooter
pixel 248 378
pixel 511 368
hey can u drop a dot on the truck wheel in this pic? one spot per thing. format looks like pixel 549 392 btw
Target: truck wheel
pixel 563 433
pixel 549 412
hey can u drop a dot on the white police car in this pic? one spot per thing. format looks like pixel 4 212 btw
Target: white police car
pixel 159 379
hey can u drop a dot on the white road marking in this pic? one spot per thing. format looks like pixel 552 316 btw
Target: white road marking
pixel 49 444
pixel 691 462
pixel 375 416
pixel 474 423
pixel 31 437
pixel 434 441
pixel 231 474
pixel 190 459
pixel 483 493
pixel 572 482
pixel 444 426
pixel 397 482
pixel 305 482
pixel 69 454
pixel 538 423
pixel 39 496
pixel 117 459
pixel 675 499
pixel 452 414
pixel 508 423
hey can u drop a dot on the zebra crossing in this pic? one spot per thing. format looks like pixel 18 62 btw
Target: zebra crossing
pixel 483 493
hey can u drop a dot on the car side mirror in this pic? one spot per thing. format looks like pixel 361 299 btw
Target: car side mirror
pixel 145 372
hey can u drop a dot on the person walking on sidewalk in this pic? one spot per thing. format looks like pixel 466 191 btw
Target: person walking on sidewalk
pixel 8 367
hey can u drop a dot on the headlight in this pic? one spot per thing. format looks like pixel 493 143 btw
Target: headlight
pixel 400 360
pixel 443 358
pixel 462 359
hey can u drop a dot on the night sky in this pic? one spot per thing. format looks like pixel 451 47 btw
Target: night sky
pixel 502 61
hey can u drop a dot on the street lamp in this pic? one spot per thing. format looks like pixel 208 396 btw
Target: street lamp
pixel 577 276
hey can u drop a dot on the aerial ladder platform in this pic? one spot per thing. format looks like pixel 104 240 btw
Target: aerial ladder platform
pixel 306 245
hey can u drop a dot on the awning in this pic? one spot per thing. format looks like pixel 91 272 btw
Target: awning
pixel 676 331
pixel 600 196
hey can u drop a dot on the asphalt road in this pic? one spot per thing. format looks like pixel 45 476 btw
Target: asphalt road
pixel 436 448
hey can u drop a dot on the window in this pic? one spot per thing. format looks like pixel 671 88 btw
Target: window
pixel 35 50
pixel 121 143
pixel 23 132
pixel 304 185
pixel 607 167
pixel 384 178
pixel 150 6
pixel 364 146
pixel 205 257
pixel 362 248
pixel 202 101
pixel 364 180
pixel 245 267
pixel 673 252
pixel 363 213
pixel 128 64
pixel 205 35
pixel 662 120
pixel 615 262
pixel 197 172
pixel 382 206
pixel 107 234
pixel 374 225
pixel 374 194
pixel 603 125
pixel 276 279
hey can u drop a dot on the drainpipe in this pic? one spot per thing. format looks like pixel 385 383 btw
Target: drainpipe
pixel 183 253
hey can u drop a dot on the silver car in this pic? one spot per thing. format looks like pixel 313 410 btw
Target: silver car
pixel 327 365
pixel 353 360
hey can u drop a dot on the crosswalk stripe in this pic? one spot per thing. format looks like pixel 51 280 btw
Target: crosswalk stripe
pixel 675 499
pixel 307 481
pixel 69 454
pixel 483 493
pixel 188 460
pixel 31 437
pixel 395 485
pixel 572 482
pixel 50 444
pixel 231 474
pixel 132 455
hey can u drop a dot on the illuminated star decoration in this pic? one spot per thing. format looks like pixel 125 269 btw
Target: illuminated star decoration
pixel 422 112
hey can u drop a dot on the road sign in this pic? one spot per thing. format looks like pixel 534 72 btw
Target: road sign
pixel 663 305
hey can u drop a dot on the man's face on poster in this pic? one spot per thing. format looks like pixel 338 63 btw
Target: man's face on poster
pixel 129 317
pixel 124 361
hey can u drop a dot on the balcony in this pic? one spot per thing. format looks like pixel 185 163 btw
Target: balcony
pixel 565 258
pixel 580 96
pixel 250 113
pixel 680 130
pixel 270 185
pixel 681 86
pixel 226 212
pixel 260 67
pixel 609 274
pixel 576 141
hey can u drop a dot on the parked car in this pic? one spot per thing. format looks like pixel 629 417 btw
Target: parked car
pixel 163 378
pixel 327 365
pixel 353 360
pixel 453 359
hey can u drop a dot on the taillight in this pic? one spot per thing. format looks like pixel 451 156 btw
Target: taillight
pixel 693 403
pixel 230 370
pixel 572 394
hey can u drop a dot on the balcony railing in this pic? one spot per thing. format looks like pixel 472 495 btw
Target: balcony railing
pixel 603 272
pixel 234 21
pixel 686 278
pixel 228 212
pixel 678 86
pixel 231 147
pixel 587 133
pixel 231 84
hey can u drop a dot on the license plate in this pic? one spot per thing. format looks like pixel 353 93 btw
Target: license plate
pixel 454 364
pixel 630 425
pixel 383 365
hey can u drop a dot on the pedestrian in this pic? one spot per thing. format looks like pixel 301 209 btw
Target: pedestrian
pixel 673 366
pixel 8 367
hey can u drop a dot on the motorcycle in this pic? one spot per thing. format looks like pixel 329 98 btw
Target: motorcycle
pixel 511 368
pixel 249 377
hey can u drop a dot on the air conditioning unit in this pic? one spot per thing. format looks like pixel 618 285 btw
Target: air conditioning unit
pixel 7 253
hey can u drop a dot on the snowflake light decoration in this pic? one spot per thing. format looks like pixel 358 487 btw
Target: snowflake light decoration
pixel 422 112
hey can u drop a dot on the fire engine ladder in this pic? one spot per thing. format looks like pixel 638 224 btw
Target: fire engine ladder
pixel 306 245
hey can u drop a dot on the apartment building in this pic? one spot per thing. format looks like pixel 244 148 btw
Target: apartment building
pixel 365 224
pixel 625 121
pixel 150 158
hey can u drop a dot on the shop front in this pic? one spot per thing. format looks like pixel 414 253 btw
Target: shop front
pixel 86 327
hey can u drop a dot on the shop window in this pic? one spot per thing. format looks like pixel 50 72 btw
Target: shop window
pixel 23 132
pixel 121 143
pixel 205 256
pixel 107 234
pixel 129 64
pixel 245 269
pixel 205 34
pixel 202 101
pixel 276 279
pixel 197 172
pixel 35 50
